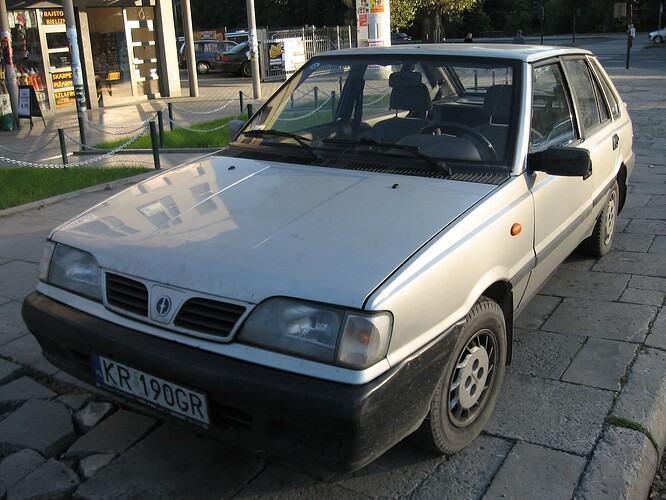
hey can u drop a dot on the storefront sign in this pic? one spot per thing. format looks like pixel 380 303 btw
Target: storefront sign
pixel 64 99
pixel 52 17
pixel 28 105
pixel 62 80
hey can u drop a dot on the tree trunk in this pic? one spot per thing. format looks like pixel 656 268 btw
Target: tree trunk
pixel 432 30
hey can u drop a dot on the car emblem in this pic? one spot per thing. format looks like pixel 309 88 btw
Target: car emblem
pixel 163 306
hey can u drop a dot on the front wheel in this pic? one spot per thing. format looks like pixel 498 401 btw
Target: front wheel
pixel 658 39
pixel 601 241
pixel 246 69
pixel 202 67
pixel 468 390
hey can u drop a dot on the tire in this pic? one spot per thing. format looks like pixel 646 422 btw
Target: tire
pixel 246 69
pixel 456 418
pixel 601 240
pixel 658 39
pixel 202 67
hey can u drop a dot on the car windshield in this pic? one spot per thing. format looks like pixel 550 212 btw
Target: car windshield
pixel 241 47
pixel 457 110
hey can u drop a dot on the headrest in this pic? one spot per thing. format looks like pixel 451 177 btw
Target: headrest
pixel 497 102
pixel 402 79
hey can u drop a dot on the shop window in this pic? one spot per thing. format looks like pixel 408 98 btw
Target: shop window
pixel 27 52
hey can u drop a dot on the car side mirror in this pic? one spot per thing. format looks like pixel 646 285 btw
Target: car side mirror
pixel 234 128
pixel 559 160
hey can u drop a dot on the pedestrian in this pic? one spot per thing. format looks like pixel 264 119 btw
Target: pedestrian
pixel 519 38
pixel 468 38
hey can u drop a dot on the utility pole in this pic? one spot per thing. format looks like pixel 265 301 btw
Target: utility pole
pixel 631 32
pixel 254 49
pixel 189 49
pixel 542 17
pixel 8 55
pixel 73 41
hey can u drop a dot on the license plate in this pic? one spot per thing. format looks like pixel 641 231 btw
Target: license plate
pixel 154 391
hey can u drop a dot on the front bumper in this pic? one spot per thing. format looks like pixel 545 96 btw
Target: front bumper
pixel 311 422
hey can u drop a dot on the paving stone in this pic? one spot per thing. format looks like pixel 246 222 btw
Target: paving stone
pixel 647 264
pixel 622 466
pixel 16 466
pixel 468 473
pixel 537 311
pixel 659 245
pixel 625 242
pixel 554 414
pixel 18 235
pixel 172 462
pixel 44 426
pixel 594 318
pixel 657 337
pixel 647 297
pixel 23 389
pixel 578 262
pixel 643 397
pixel 113 435
pixel 11 323
pixel 92 414
pixel 601 363
pixel 543 354
pixel 18 278
pixel 535 472
pixel 621 225
pixel 74 401
pixel 27 351
pixel 648 283
pixel 90 465
pixel 644 226
pixel 585 284
pixel 9 371
pixel 52 479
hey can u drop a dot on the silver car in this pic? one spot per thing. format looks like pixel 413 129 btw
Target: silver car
pixel 347 272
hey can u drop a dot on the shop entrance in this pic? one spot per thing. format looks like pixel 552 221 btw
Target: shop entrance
pixel 110 57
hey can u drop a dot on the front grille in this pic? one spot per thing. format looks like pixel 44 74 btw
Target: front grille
pixel 209 316
pixel 127 294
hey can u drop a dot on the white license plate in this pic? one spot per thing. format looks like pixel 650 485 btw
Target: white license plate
pixel 154 391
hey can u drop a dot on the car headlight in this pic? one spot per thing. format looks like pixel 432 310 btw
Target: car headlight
pixel 349 338
pixel 74 270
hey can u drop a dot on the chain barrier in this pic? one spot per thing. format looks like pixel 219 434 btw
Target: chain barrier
pixel 201 112
pixel 109 153
pixel 307 115
pixel 194 129
pixel 375 102
pixel 102 128
pixel 30 151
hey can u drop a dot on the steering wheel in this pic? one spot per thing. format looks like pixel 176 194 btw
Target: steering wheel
pixel 459 130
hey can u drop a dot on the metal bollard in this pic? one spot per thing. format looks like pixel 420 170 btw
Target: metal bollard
pixel 316 97
pixel 250 111
pixel 153 141
pixel 160 127
pixel 240 98
pixel 82 133
pixel 63 146
pixel 170 109
pixel 333 102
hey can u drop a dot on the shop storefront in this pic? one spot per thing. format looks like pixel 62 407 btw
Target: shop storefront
pixel 122 58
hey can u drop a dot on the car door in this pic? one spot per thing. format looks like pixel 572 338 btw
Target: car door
pixel 567 110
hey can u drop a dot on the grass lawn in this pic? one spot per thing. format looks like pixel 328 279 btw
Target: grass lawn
pixel 182 138
pixel 25 184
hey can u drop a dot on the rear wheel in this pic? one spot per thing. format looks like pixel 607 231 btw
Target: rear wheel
pixel 468 390
pixel 658 39
pixel 202 68
pixel 601 241
pixel 246 69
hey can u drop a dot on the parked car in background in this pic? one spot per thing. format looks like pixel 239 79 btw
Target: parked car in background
pixel 657 36
pixel 236 60
pixel 207 53
pixel 397 38
pixel 348 271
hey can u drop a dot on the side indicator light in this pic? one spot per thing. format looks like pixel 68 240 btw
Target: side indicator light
pixel 516 229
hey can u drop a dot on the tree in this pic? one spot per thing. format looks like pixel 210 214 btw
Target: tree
pixel 432 29
pixel 403 13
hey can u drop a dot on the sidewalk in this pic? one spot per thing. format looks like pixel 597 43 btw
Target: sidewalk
pixel 582 413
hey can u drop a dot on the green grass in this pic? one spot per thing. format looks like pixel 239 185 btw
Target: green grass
pixel 182 138
pixel 25 184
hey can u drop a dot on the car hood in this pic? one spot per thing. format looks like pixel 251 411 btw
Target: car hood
pixel 248 230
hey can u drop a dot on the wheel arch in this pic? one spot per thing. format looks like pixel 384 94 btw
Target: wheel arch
pixel 622 185
pixel 502 293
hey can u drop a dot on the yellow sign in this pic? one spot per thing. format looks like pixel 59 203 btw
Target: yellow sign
pixel 62 80
pixel 53 16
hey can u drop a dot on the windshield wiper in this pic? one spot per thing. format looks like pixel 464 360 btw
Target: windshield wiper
pixel 441 167
pixel 302 141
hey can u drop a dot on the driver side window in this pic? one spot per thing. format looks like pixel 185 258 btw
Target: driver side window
pixel 552 119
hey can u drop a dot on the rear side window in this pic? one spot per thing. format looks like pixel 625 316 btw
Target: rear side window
pixel 611 97
pixel 590 103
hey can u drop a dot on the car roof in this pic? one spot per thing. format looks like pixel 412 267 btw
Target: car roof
pixel 527 53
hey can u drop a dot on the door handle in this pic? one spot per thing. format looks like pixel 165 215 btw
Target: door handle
pixel 616 141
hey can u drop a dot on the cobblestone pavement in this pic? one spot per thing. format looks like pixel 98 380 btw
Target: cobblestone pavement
pixel 582 413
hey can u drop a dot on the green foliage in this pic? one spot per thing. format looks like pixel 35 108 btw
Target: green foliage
pixel 402 14
pixel 26 184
